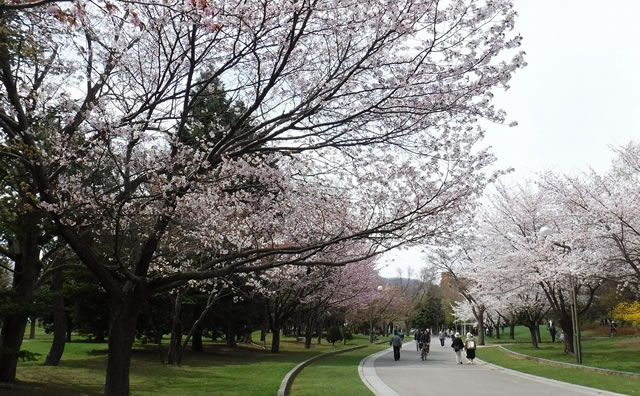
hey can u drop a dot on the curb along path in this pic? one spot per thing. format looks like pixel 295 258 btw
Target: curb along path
pixel 370 378
pixel 285 385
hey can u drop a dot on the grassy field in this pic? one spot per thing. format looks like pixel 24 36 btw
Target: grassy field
pixel 341 371
pixel 522 335
pixel 625 385
pixel 251 370
pixel 219 370
pixel 589 331
pixel 620 353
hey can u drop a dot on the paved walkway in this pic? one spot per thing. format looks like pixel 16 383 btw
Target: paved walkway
pixel 440 375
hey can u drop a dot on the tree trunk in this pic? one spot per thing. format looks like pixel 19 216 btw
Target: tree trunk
pixel 319 334
pixel 27 269
pixel 263 335
pixel 69 329
pixel 12 333
pixel 157 335
pixel 512 331
pixel 534 336
pixel 32 330
pixel 122 328
pixel 480 318
pixel 59 321
pixel 275 340
pixel 196 342
pixel 538 336
pixel 567 328
pixel 231 338
pixel 371 331
pixel 308 336
pixel 175 343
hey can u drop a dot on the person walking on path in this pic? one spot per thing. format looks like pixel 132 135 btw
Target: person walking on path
pixel 457 346
pixel 442 336
pixel 396 342
pixel 613 330
pixel 470 347
pixel 553 333
pixel 416 337
pixel 425 342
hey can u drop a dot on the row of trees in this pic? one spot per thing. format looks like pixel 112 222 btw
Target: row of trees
pixel 174 142
pixel 299 301
pixel 537 243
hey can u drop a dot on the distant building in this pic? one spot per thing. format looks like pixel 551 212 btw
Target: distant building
pixel 449 286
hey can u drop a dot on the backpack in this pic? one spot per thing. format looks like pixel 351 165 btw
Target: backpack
pixel 471 344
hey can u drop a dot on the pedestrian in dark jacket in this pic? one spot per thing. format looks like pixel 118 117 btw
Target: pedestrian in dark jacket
pixel 425 342
pixel 457 346
pixel 396 342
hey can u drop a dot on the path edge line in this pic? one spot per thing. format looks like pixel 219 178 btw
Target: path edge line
pixel 368 376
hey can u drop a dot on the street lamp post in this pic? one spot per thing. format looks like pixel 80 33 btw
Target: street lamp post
pixel 372 312
pixel 575 322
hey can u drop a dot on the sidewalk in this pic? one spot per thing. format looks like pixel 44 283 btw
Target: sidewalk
pixel 440 375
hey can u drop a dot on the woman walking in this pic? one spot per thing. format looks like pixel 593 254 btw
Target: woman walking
pixel 457 346
pixel 470 347
pixel 442 336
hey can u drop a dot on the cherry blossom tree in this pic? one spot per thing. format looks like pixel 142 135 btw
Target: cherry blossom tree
pixel 541 242
pixel 560 233
pixel 607 207
pixel 462 263
pixel 344 290
pixel 311 292
pixel 358 125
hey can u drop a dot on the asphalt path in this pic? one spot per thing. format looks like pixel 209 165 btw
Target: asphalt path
pixel 440 375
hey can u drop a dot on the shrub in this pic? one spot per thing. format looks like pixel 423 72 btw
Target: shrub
pixel 334 334
pixel 628 312
pixel 346 335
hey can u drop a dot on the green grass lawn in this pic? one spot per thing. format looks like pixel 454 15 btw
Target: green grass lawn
pixel 589 331
pixel 625 385
pixel 219 370
pixel 620 353
pixel 341 371
pixel 521 334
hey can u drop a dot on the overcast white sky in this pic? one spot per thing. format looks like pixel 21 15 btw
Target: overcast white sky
pixel 579 94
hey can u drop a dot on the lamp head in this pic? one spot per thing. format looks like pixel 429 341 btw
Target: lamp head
pixel 545 230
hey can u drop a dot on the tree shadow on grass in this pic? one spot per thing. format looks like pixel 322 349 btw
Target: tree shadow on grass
pixel 85 376
pixel 25 388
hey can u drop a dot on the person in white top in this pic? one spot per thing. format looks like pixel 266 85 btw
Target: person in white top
pixel 470 347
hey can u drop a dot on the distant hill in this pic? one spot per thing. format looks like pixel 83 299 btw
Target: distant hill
pixel 413 283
